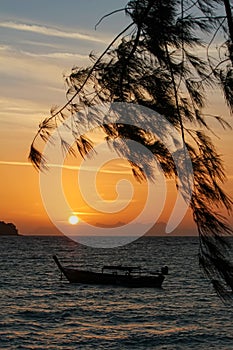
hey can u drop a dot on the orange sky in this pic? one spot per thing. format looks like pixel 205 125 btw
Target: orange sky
pixel 32 61
pixel 21 201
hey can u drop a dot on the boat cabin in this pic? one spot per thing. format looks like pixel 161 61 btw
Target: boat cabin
pixel 127 269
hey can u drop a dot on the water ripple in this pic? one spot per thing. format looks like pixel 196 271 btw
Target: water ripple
pixel 38 311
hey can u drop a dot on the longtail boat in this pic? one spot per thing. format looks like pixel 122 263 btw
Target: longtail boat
pixel 127 276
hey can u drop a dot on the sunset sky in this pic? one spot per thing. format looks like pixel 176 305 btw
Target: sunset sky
pixel 40 41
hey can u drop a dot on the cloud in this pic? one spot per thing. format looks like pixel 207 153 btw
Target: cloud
pixel 15 163
pixel 27 75
pixel 6 49
pixel 21 113
pixel 31 78
pixel 84 213
pixel 48 31
pixel 94 169
pixel 56 55
pixel 68 167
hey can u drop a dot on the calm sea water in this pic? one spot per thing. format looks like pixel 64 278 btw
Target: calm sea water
pixel 38 311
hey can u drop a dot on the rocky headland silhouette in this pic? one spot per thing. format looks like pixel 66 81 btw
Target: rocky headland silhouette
pixel 8 229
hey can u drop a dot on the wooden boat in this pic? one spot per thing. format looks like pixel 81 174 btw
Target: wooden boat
pixel 128 276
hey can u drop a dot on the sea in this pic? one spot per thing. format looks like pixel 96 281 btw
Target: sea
pixel 38 310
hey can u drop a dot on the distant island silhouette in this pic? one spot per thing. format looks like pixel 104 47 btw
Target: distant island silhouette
pixel 8 229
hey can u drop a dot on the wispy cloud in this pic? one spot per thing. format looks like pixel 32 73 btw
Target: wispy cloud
pixel 23 75
pixel 94 169
pixel 68 167
pixel 4 47
pixel 84 213
pixel 57 55
pixel 18 65
pixel 15 163
pixel 49 31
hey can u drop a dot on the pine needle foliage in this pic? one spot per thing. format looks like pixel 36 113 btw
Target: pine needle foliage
pixel 156 64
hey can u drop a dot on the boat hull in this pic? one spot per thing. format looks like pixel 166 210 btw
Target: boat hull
pixel 87 277
pixel 126 280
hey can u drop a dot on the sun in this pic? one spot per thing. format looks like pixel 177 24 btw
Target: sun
pixel 73 219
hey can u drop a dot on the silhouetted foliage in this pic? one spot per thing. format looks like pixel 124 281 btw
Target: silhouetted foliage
pixel 156 65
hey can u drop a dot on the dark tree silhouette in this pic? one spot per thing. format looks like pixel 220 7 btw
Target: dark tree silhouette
pixel 221 64
pixel 229 16
pixel 155 65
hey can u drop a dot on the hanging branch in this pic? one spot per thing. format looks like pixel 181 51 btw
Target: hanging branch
pixel 163 74
pixel 135 46
pixel 109 14
pixel 230 27
pixel 38 160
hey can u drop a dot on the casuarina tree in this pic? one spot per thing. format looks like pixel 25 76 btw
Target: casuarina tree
pixel 153 62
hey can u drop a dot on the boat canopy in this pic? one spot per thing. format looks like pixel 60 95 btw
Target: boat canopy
pixel 121 268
